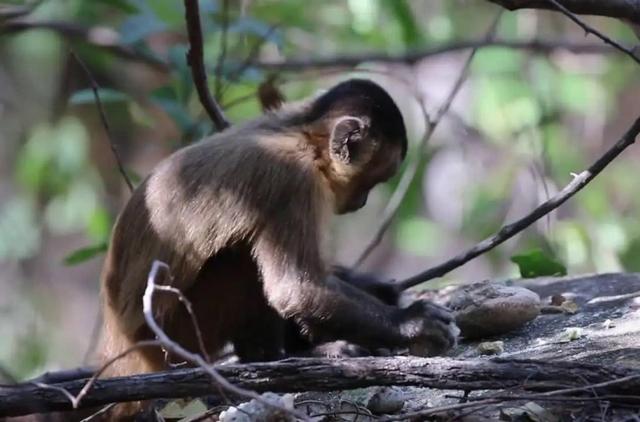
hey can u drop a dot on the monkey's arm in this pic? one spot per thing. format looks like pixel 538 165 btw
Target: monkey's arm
pixel 296 285
pixel 325 308
pixel 385 290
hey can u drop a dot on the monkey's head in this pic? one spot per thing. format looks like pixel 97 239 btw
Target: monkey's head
pixel 366 139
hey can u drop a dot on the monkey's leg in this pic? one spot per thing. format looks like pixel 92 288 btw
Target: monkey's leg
pixel 260 338
pixel 223 298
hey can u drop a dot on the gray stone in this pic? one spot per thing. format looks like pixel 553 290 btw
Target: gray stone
pixel 487 309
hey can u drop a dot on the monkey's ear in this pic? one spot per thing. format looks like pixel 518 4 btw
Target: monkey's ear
pixel 347 137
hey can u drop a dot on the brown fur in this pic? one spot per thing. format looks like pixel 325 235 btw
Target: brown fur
pixel 239 219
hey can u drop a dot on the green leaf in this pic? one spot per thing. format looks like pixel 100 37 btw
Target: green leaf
pixel 536 263
pixel 84 254
pixel 107 95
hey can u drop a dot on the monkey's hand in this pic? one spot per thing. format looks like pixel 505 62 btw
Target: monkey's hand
pixel 429 329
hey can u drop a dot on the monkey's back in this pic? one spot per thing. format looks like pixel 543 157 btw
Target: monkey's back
pixel 194 205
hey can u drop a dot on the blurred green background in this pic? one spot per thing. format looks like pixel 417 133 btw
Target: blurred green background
pixel 523 122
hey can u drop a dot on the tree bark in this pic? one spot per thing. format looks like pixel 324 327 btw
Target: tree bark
pixel 294 375
pixel 622 9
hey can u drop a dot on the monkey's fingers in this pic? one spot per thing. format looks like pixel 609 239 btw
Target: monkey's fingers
pixel 435 340
pixel 431 310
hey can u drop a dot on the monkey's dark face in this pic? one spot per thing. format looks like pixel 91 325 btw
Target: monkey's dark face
pixel 367 139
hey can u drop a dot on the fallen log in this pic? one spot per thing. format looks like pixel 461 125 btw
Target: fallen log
pixel 293 375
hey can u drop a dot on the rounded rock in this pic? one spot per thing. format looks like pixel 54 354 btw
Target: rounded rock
pixel 487 309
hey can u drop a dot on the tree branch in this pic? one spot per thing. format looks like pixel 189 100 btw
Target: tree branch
pixel 293 375
pixel 412 57
pixel 412 169
pixel 590 30
pixel 195 58
pixel 98 36
pixel 506 232
pixel 105 37
pixel 621 9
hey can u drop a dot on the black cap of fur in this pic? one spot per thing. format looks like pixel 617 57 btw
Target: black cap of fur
pixel 361 97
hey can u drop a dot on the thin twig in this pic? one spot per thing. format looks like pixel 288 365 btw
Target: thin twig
pixel 590 387
pixel 412 169
pixel 100 412
pixel 194 321
pixel 500 398
pixel 195 59
pixel 95 336
pixel 253 53
pixel 108 363
pixel 103 118
pixel 627 399
pixel 506 232
pixel 591 30
pixel 194 358
pixel 224 39
pixel 75 400
pixel 620 9
pixel 439 409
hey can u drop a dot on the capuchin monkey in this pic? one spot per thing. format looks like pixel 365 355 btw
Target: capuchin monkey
pixel 240 219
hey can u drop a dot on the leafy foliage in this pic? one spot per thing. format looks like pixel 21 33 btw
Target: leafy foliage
pixel 536 263
pixel 84 254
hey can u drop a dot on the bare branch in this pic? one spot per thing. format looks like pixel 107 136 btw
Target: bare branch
pixel 621 9
pixel 506 232
pixel 105 37
pixel 590 30
pixel 102 37
pixel 195 58
pixel 103 118
pixel 412 169
pixel 412 57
